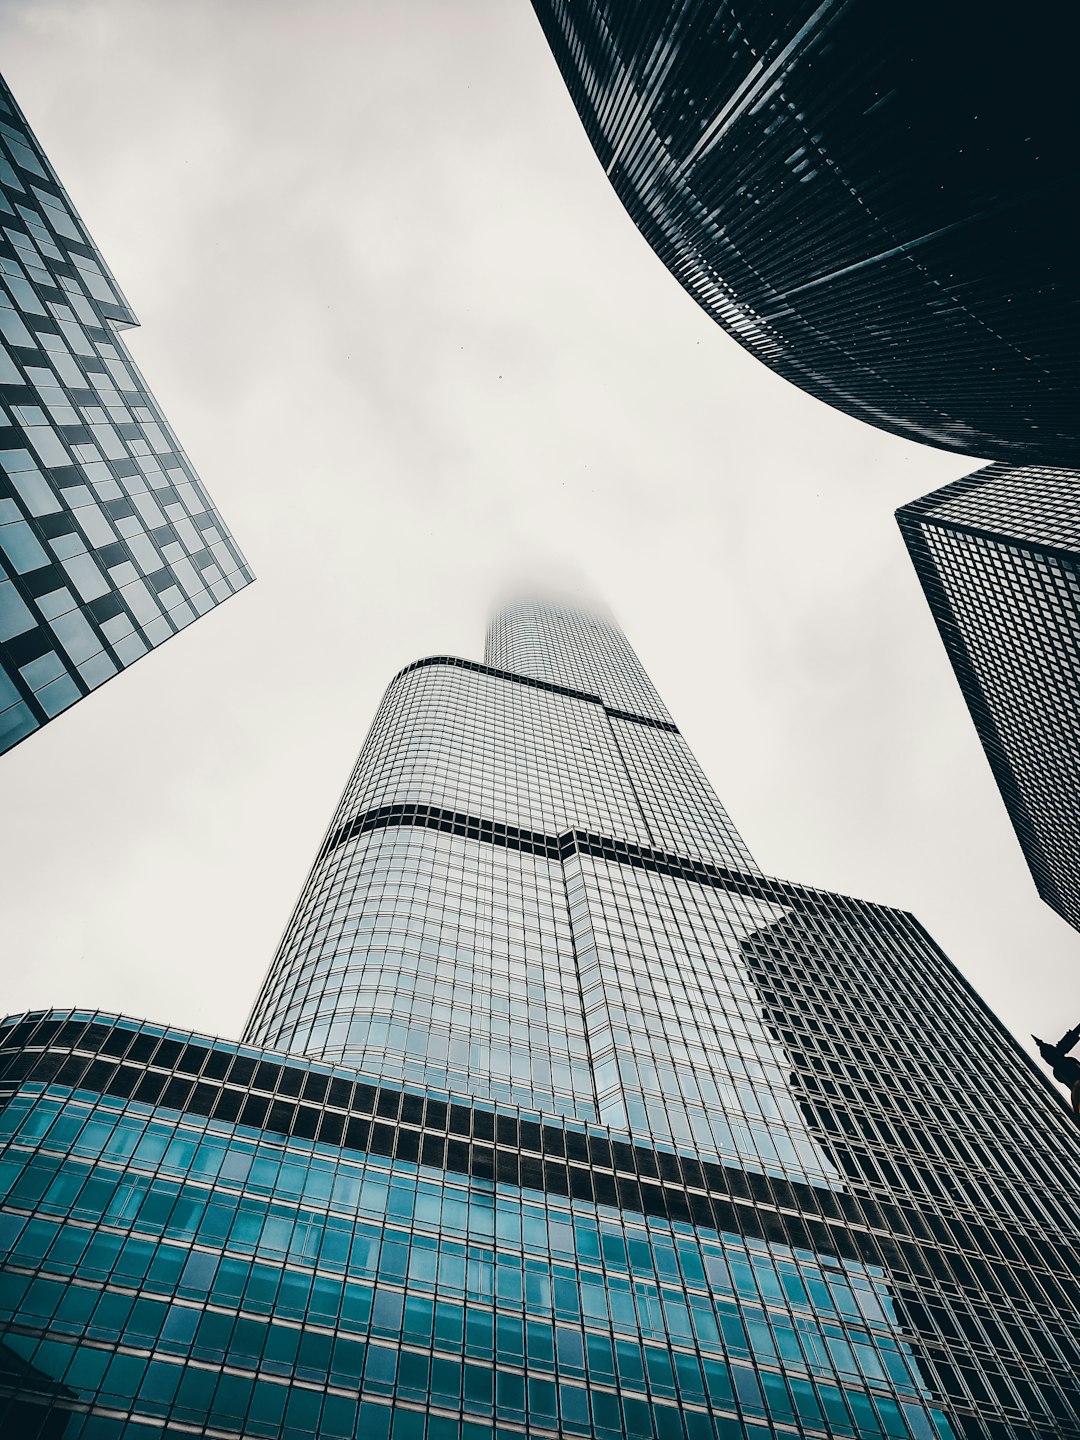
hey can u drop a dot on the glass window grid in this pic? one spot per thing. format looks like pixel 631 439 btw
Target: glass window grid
pixel 908 301
pixel 513 754
pixel 109 544
pixel 1040 1299
pixel 242 1216
pixel 997 555
pixel 564 646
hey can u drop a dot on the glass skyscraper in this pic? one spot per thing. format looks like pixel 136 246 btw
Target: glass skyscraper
pixel 875 200
pixel 108 542
pixel 554 1116
pixel 998 556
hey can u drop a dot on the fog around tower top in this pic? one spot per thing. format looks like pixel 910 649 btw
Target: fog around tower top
pixel 427 366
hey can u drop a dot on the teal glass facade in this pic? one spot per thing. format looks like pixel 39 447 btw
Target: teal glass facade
pixel 544 1128
pixel 170 1266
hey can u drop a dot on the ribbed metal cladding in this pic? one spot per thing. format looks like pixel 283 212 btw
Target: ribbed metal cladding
pixel 998 556
pixel 875 200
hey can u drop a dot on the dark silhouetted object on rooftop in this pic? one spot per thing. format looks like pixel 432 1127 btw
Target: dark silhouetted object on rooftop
pixel 875 200
pixel 1065 1067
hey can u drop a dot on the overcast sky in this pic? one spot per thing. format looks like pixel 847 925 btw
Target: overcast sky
pixel 422 358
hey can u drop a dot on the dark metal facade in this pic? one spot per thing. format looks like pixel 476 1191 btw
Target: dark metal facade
pixel 998 556
pixel 875 200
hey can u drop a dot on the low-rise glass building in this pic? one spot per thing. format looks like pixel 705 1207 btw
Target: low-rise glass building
pixel 575 1124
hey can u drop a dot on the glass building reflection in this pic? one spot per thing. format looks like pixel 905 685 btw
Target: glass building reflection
pixel 874 200
pixel 109 545
pixel 554 1116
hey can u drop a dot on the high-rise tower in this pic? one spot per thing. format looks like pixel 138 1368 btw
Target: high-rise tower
pixel 998 556
pixel 576 1124
pixel 454 929
pixel 109 544
pixel 874 200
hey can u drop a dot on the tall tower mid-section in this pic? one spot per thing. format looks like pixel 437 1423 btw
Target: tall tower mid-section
pixel 470 906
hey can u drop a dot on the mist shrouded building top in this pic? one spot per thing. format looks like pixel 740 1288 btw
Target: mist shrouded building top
pixel 574 648
pixel 575 1124
pixel 875 200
